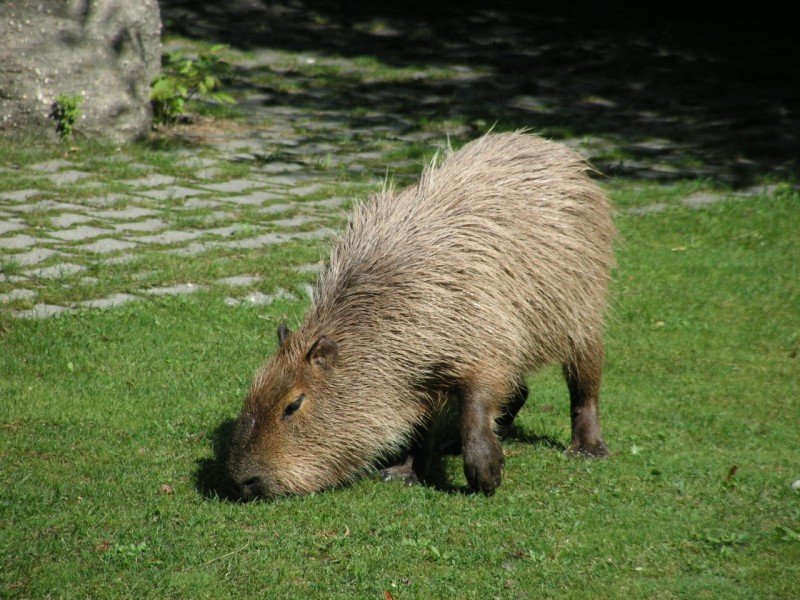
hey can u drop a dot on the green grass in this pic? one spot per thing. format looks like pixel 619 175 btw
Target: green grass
pixel 110 423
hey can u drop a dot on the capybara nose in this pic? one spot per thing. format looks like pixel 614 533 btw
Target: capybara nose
pixel 250 488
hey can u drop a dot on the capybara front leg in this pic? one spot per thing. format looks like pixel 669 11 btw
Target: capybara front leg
pixel 583 375
pixel 480 447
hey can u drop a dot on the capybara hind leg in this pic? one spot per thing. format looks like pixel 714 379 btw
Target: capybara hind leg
pixel 583 375
pixel 414 467
pixel 510 410
pixel 480 447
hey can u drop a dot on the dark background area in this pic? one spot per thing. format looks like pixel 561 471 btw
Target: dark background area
pixel 702 92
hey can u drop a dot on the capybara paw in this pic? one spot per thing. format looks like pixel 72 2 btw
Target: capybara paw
pixel 595 449
pixel 484 468
pixel 400 472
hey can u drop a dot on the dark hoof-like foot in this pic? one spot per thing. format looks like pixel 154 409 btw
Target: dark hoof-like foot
pixel 591 450
pixel 484 468
pixel 400 472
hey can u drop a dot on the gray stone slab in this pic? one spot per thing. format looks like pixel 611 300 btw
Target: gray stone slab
pixel 172 193
pixel 233 186
pixel 51 166
pixel 306 190
pixel 10 226
pixel 34 256
pixel 106 246
pixel 21 240
pixel 284 180
pixel 239 280
pixel 65 177
pixel 293 221
pixel 58 271
pixel 19 195
pixel 278 208
pixel 252 199
pixel 196 162
pixel 308 290
pixel 169 237
pixel 154 180
pixel 88 281
pixel 701 199
pixel 108 302
pixel 759 190
pixel 260 299
pixel 18 294
pixel 210 173
pixel 123 214
pixel 229 230
pixel 309 268
pixel 145 226
pixel 84 232
pixel 193 249
pixel 120 260
pixel 280 167
pixel 42 311
pixel 107 199
pixel 200 203
pixel 44 206
pixel 317 234
pixel 649 209
pixel 260 241
pixel 173 290
pixel 69 219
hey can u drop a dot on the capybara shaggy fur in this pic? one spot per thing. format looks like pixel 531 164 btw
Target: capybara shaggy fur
pixel 494 264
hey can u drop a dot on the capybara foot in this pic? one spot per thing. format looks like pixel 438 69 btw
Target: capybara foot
pixel 402 471
pixel 483 466
pixel 595 449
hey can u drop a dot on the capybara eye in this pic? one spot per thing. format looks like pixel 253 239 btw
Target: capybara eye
pixel 292 408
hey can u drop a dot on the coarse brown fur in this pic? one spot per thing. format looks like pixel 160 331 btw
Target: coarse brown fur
pixel 493 265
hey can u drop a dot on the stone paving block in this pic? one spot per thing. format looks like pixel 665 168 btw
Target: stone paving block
pixel 107 199
pixel 120 260
pixel 10 226
pixel 18 294
pixel 19 195
pixel 84 232
pixel 43 206
pixel 123 214
pixel 233 186
pixel 278 208
pixel 260 299
pixel 702 199
pixel 144 226
pixel 210 173
pixel 56 271
pixel 293 221
pixel 656 207
pixel 334 202
pixel 173 290
pixel 34 256
pixel 308 289
pixel 283 180
pixel 309 268
pixel 108 302
pixel 228 230
pixel 193 249
pixel 239 280
pixel 42 311
pixel 196 162
pixel 172 193
pixel 279 167
pixel 257 242
pixel 169 237
pixel 106 246
pixel 88 280
pixel 11 278
pixel 51 166
pixel 69 219
pixel 200 203
pixel 64 177
pixel 154 180
pixel 317 234
pixel 252 199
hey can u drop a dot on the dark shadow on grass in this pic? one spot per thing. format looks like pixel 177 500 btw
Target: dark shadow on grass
pixel 667 91
pixel 210 478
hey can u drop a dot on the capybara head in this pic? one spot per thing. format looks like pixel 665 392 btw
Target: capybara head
pixel 305 424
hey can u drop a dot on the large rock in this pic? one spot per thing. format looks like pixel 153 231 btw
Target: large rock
pixel 106 51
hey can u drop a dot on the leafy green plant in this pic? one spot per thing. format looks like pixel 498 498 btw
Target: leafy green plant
pixel 184 78
pixel 65 113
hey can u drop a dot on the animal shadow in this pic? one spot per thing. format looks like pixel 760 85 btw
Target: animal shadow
pixel 210 478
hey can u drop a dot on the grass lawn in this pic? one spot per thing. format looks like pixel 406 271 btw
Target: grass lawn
pixel 110 423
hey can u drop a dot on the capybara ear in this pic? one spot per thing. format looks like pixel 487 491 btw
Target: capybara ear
pixel 283 333
pixel 323 353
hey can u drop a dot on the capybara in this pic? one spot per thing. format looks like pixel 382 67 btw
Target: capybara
pixel 494 264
